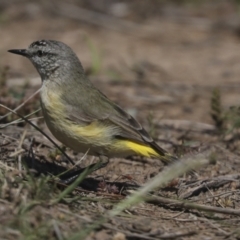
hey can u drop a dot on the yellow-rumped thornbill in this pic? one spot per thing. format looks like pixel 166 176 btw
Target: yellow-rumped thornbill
pixel 78 114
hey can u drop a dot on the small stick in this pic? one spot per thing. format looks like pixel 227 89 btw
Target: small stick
pixel 21 105
pixel 189 205
pixel 43 133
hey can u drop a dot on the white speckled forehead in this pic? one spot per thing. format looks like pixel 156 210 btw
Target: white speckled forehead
pixel 40 43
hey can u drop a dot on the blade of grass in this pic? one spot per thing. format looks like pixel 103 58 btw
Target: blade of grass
pixel 175 170
pixel 21 105
pixel 76 164
pixel 158 181
pixel 72 186
pixel 95 56
pixel 43 133
pixel 20 120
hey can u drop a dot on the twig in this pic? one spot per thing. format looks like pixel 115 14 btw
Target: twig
pixel 43 133
pixel 129 234
pixel 225 194
pixel 177 235
pixel 19 147
pixel 64 210
pixel 57 230
pixel 237 231
pixel 21 105
pixel 177 215
pixel 145 236
pixel 214 225
pixel 20 121
pixel 188 205
pixel 17 153
pixel 197 187
pixel 5 166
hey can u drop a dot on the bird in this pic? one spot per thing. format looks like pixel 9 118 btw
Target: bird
pixel 78 114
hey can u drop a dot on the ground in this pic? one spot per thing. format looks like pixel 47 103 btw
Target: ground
pixel 175 67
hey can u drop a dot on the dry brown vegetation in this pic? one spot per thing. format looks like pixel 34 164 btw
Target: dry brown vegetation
pixel 174 65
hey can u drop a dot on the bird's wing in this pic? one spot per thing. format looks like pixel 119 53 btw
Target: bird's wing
pixel 107 112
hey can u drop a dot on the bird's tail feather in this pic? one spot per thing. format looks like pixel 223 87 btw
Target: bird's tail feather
pixel 152 150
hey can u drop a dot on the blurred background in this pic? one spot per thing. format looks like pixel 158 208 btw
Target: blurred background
pixel 153 57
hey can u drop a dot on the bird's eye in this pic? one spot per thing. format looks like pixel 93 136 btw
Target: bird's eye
pixel 39 53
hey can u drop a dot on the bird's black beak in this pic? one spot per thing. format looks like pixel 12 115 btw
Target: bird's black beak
pixel 22 52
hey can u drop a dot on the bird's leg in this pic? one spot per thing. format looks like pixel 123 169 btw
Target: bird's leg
pixel 103 161
pixel 73 175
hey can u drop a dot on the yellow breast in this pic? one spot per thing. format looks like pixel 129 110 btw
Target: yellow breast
pixel 78 136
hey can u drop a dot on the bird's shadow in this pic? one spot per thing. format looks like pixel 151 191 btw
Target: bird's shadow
pixel 67 177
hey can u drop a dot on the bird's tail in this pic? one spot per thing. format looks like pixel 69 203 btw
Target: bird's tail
pixel 151 150
pixel 163 155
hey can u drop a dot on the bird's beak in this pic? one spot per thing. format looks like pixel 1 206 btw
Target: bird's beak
pixel 22 52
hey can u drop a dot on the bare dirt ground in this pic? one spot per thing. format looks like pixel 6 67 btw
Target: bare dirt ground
pixel 175 67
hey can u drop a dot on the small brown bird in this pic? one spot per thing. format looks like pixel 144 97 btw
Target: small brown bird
pixel 78 114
